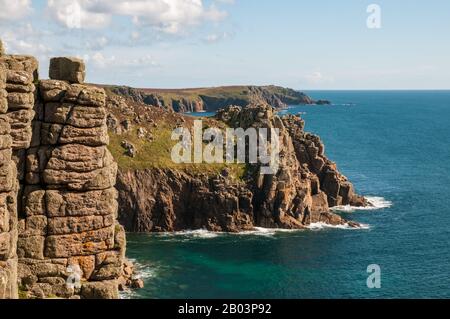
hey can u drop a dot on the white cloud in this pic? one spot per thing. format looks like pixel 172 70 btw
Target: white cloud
pixel 99 60
pixel 24 39
pixel 216 37
pixel 169 16
pixel 226 1
pixel 76 14
pixel 13 10
pixel 318 78
pixel 97 43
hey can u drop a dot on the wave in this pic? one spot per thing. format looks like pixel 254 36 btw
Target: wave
pixel 268 232
pixel 376 202
pixel 199 233
pixel 141 271
pixel 320 226
pixel 257 231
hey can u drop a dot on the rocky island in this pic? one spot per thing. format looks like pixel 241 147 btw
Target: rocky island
pixel 81 164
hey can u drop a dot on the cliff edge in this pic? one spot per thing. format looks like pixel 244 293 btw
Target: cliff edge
pixel 212 99
pixel 156 195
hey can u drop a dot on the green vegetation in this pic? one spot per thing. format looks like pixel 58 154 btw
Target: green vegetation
pixel 157 153
pixel 213 98
pixel 23 294
pixel 225 92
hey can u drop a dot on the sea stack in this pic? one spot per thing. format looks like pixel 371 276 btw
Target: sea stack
pixel 69 229
pixel 58 205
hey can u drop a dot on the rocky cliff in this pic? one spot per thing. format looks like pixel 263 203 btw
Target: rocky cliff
pixel 8 200
pixel 212 99
pixel 61 192
pixel 58 205
pixel 157 196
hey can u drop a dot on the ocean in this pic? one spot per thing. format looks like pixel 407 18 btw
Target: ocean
pixel 395 147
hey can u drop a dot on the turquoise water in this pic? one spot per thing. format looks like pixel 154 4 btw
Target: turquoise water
pixel 394 145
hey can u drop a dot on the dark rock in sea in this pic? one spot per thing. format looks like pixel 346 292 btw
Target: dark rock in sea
pixel 137 284
pixel 323 102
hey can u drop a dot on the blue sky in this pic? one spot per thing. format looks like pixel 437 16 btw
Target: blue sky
pixel 320 44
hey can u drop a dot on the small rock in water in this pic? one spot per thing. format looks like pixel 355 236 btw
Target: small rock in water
pixel 137 284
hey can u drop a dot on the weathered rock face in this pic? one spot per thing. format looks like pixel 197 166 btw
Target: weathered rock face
pixel 157 200
pixel 306 185
pixel 17 97
pixel 70 207
pixel 302 191
pixel 8 201
pixel 72 70
pixel 58 204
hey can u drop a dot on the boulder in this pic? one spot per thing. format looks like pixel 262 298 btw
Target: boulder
pixel 100 290
pixel 67 69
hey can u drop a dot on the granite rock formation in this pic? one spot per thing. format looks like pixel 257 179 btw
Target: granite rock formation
pixel 18 89
pixel 67 69
pixel 302 192
pixel 8 201
pixel 59 236
pixel 306 185
pixel 69 198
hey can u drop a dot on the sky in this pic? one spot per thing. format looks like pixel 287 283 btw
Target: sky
pixel 305 45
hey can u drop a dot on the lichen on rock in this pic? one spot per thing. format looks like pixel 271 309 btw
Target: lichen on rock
pixel 70 201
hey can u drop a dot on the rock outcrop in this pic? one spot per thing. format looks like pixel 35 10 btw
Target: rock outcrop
pixel 71 70
pixel 70 200
pixel 59 236
pixel 302 191
pixel 306 184
pixel 18 90
pixel 8 201
pixel 161 200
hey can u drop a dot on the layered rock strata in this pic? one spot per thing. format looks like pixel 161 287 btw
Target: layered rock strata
pixel 58 206
pixel 18 91
pixel 69 225
pixel 8 200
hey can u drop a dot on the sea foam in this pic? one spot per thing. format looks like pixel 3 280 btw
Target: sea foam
pixel 321 226
pixel 376 202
